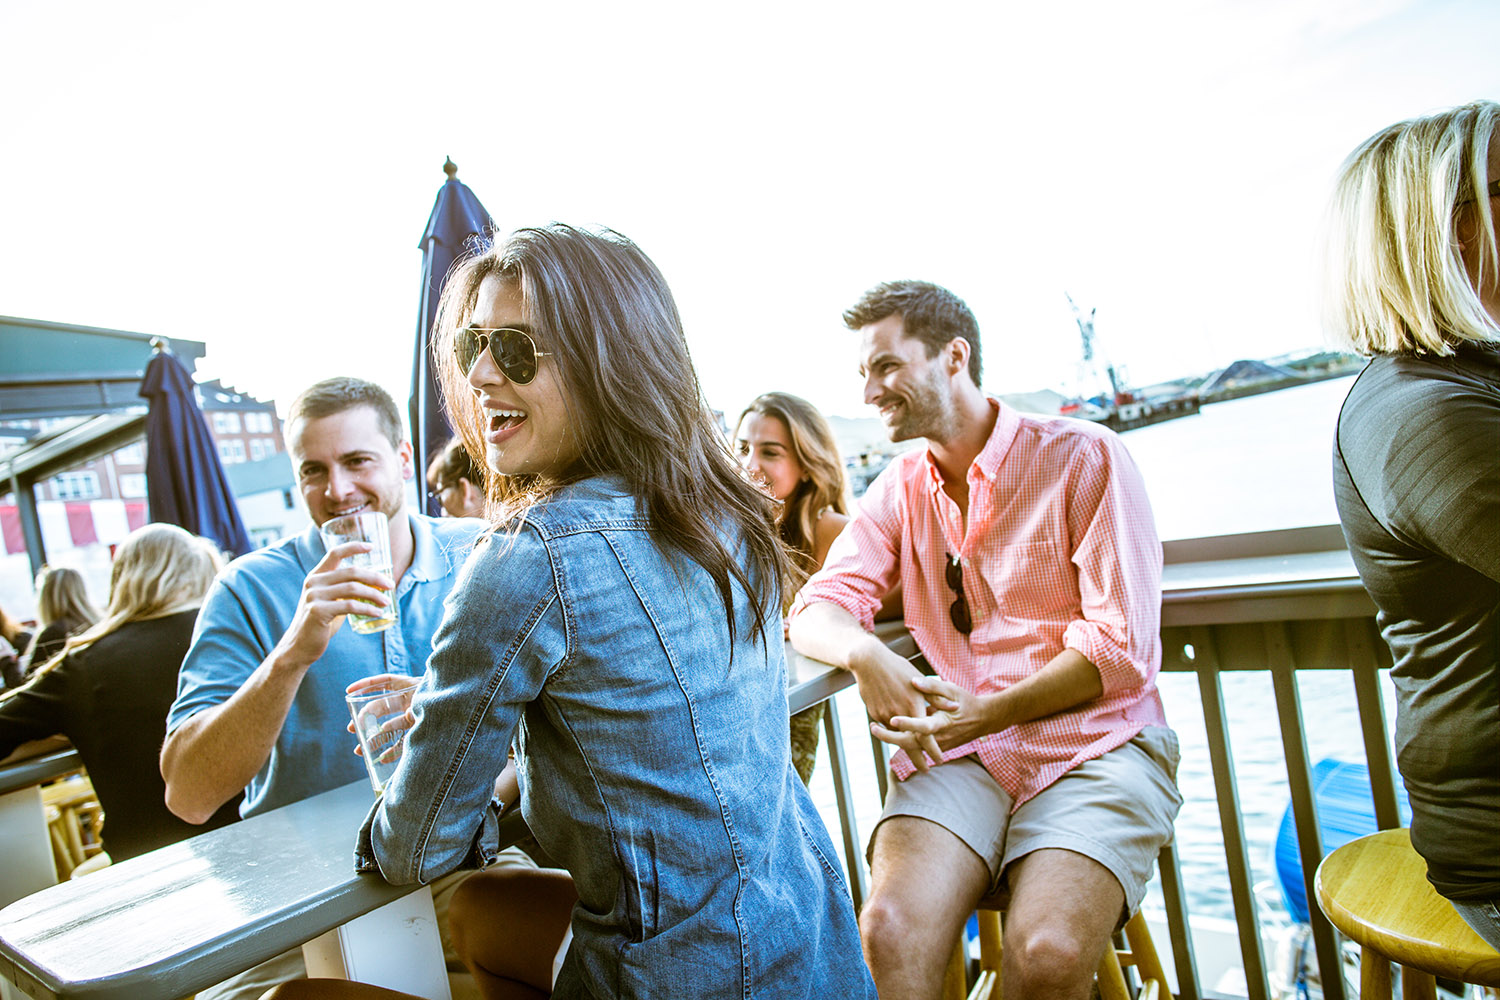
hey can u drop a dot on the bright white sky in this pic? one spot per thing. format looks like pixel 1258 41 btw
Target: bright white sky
pixel 257 176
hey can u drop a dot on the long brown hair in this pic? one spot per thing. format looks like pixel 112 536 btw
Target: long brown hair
pixel 825 485
pixel 605 314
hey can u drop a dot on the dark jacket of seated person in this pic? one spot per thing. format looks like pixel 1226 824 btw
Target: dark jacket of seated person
pixel 111 690
pixel 111 699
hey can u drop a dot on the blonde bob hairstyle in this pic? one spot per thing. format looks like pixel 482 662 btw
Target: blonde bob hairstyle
pixel 824 485
pixel 1396 281
pixel 160 570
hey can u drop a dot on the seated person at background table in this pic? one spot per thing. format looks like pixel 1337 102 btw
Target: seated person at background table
pixel 13 642
pixel 788 447
pixel 110 690
pixel 260 703
pixel 457 481
pixel 63 609
pixel 620 627
pixel 1416 468
pixel 1031 578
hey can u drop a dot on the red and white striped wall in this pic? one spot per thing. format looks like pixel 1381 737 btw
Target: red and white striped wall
pixel 72 524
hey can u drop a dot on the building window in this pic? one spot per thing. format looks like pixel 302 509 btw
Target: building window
pixel 131 454
pixel 262 448
pixel 76 486
pixel 232 451
pixel 132 485
pixel 226 422
pixel 258 423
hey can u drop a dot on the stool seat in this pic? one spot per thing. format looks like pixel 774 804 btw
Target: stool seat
pixel 1375 891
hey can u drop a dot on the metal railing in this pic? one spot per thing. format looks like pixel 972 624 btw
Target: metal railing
pixel 1280 627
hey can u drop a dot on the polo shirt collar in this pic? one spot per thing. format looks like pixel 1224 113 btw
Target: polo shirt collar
pixel 428 560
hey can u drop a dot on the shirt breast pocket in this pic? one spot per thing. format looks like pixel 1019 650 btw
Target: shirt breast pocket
pixel 1029 581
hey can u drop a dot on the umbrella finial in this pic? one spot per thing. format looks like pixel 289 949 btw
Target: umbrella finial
pixel 450 168
pixel 160 344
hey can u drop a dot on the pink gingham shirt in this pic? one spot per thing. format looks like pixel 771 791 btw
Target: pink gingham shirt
pixel 1060 551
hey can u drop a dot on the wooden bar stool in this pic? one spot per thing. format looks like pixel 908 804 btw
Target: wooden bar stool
pixel 1139 952
pixel 73 819
pixel 1375 891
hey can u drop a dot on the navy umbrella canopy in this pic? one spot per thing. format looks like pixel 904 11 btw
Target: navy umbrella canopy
pixel 185 481
pixel 457 218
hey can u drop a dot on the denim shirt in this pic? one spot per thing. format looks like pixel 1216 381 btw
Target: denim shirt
pixel 653 759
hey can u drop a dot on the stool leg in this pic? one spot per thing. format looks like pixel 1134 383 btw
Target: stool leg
pixel 987 986
pixel 1143 952
pixel 989 940
pixel 954 980
pixel 1374 975
pixel 1417 985
pixel 1111 976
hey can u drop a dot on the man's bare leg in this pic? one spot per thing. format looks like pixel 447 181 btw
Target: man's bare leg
pixel 1063 909
pixel 925 882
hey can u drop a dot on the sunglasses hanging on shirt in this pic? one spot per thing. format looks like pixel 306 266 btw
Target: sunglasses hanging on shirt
pixel 958 611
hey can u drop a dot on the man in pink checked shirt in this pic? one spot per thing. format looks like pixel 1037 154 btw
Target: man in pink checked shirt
pixel 1038 760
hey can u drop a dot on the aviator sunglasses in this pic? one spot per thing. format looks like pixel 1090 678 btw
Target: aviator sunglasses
pixel 513 350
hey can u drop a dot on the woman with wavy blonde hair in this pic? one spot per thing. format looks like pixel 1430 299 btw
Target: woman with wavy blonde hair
pixel 110 688
pixel 1416 283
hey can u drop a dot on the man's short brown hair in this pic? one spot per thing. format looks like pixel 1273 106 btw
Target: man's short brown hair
pixel 335 395
pixel 929 313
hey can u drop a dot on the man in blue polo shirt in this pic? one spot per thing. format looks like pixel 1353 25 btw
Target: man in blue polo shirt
pixel 260 699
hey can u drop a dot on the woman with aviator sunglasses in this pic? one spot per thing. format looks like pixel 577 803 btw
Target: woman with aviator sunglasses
pixel 620 628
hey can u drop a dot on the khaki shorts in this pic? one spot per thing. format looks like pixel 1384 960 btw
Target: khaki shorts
pixel 1117 809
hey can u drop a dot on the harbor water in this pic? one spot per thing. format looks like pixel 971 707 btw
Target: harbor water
pixel 1252 464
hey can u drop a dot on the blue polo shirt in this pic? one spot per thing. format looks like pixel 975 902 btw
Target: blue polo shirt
pixel 250 607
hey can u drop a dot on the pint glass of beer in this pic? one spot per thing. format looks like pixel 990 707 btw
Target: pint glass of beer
pixel 367 526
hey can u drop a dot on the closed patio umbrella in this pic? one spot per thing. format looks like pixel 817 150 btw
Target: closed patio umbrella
pixel 457 217
pixel 185 481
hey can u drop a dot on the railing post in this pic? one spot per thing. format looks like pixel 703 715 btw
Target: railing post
pixel 1299 779
pixel 1184 962
pixel 882 759
pixel 1231 821
pixel 844 795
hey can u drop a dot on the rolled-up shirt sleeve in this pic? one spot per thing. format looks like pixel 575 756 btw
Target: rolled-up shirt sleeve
pixel 863 565
pixel 1119 561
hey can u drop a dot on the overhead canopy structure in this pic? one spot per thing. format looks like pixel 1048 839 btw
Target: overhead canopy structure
pixel 59 369
pixel 87 375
